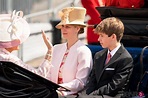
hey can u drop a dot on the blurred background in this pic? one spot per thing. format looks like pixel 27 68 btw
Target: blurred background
pixel 41 15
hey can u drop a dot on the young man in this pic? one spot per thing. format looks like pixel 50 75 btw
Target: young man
pixel 110 74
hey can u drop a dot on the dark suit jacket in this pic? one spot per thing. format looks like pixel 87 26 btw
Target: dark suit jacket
pixel 110 79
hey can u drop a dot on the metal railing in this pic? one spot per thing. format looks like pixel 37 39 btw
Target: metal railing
pixel 53 12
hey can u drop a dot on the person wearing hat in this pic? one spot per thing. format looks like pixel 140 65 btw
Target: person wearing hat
pixel 14 30
pixel 71 61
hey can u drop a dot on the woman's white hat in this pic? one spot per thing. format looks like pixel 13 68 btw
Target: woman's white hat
pixel 72 15
pixel 14 29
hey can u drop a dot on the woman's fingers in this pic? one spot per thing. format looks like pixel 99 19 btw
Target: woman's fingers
pixel 46 41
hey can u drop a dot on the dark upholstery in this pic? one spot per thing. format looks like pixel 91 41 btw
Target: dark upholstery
pixel 135 22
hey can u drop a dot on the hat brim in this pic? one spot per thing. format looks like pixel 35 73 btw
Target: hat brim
pixel 10 44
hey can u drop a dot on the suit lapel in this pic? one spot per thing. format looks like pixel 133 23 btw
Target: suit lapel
pixel 100 64
pixel 116 56
pixel 100 67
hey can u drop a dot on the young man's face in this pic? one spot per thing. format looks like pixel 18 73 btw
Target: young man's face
pixel 105 40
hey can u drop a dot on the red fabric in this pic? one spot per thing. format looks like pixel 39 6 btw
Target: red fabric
pixel 111 2
pixel 60 79
pixel 130 3
pixel 125 3
pixel 94 18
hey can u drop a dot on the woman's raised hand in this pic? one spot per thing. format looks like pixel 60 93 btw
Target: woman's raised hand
pixel 46 41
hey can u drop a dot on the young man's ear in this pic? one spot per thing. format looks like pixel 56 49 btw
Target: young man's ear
pixel 114 36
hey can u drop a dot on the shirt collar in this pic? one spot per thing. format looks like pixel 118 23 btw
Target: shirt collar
pixel 114 50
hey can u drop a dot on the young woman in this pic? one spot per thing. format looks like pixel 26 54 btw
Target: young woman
pixel 71 61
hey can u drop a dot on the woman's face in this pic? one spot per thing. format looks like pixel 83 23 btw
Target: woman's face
pixel 69 31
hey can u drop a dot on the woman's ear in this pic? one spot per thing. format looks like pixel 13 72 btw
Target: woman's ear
pixel 78 28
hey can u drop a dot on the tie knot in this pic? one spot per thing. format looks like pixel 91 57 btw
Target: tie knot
pixel 109 55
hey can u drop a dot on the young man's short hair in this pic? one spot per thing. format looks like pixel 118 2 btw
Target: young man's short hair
pixel 111 26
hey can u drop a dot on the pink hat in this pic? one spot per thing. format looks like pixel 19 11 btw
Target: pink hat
pixel 14 29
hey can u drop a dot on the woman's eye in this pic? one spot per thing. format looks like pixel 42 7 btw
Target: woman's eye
pixel 67 26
